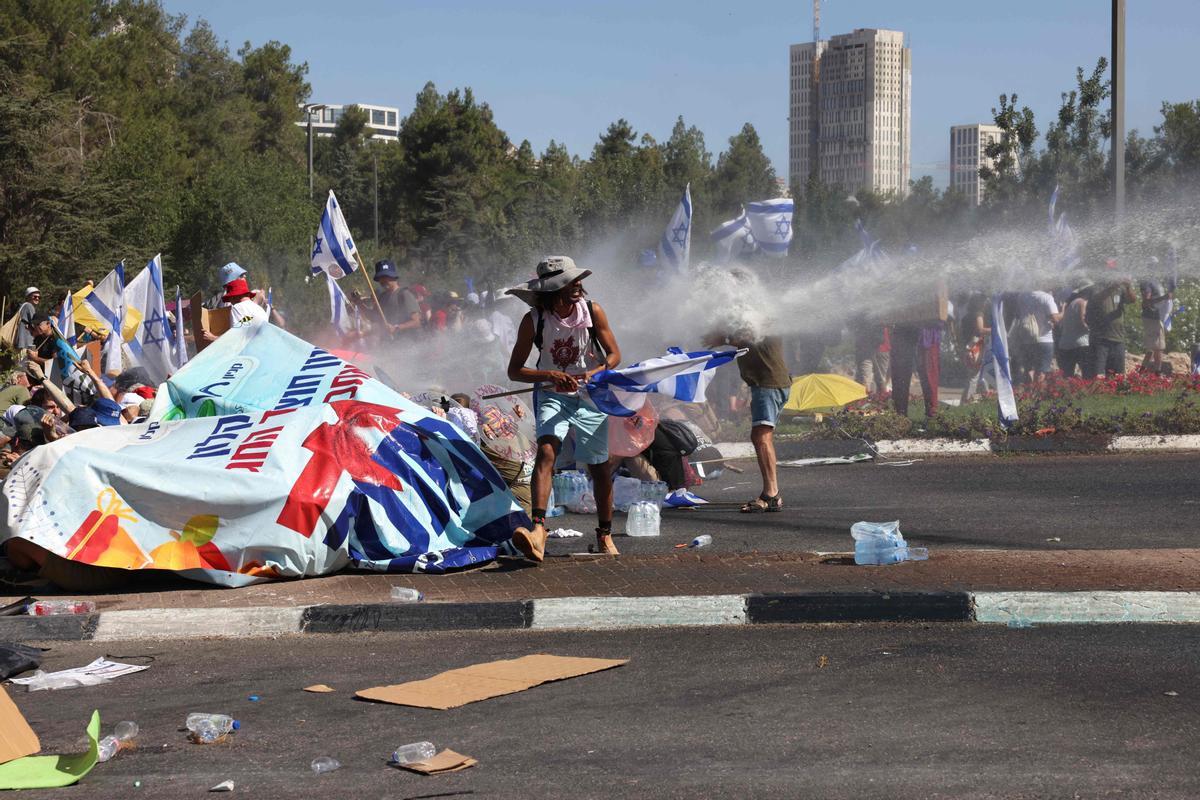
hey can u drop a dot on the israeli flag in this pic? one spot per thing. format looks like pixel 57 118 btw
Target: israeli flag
pixel 733 238
pixel 181 351
pixel 771 224
pixel 333 251
pixel 65 332
pixel 340 316
pixel 107 303
pixel 676 244
pixel 1007 409
pixel 1064 244
pixel 153 342
pixel 683 376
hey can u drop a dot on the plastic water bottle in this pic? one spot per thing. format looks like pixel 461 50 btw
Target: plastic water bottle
pixel 643 519
pixel 323 764
pixel 878 543
pixel 406 594
pixel 209 728
pixel 554 511
pixel 703 540
pixel 46 608
pixel 121 738
pixel 412 753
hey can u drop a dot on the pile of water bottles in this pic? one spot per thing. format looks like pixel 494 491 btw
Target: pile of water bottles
pixel 882 543
pixel 574 491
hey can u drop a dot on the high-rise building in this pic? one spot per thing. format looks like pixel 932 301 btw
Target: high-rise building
pixel 968 145
pixel 383 122
pixel 851 112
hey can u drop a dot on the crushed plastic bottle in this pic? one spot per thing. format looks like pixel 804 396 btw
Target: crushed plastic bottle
pixel 46 608
pixel 406 594
pixel 323 764
pixel 703 540
pixel 122 738
pixel 210 728
pixel 412 753
pixel 877 543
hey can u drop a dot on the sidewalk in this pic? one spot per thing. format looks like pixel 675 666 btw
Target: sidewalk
pixel 698 573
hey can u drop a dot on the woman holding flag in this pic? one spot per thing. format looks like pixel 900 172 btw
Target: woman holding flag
pixel 574 342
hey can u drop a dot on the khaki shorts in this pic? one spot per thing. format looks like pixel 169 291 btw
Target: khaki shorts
pixel 1154 336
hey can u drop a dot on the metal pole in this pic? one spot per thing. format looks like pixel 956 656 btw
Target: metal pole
pixel 1118 108
pixel 308 111
pixel 375 163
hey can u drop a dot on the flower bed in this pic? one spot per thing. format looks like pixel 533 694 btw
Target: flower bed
pixel 1136 403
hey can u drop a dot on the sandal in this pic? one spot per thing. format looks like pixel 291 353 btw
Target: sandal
pixel 763 503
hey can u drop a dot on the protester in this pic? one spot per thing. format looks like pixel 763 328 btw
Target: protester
pixel 401 311
pixel 24 336
pixel 1106 330
pixel 1033 334
pixel 1073 339
pixel 15 391
pixel 764 370
pixel 870 365
pixel 1156 308
pixel 44 346
pixel 920 345
pixel 574 342
pixel 975 336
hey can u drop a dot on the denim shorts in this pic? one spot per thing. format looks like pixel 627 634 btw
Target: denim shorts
pixel 557 414
pixel 765 404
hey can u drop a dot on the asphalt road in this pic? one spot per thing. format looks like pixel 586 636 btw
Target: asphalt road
pixel 1011 502
pixel 771 711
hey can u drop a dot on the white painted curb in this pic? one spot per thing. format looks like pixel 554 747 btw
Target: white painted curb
pixel 605 613
pixel 198 623
pixel 1136 443
pixel 957 447
pixel 927 447
pixel 1086 607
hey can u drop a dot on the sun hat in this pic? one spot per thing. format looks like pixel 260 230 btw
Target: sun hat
pixel 1082 286
pixel 32 290
pixel 554 273
pixel 230 272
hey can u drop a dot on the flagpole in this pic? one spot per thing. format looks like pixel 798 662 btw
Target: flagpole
pixel 508 394
pixel 371 286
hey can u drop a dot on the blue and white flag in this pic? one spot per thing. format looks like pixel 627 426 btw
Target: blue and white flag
pixel 340 316
pixel 66 320
pixel 675 247
pixel 771 224
pixel 733 238
pixel 107 303
pixel 270 300
pixel 1007 403
pixel 1064 244
pixel 682 376
pixel 333 250
pixel 181 351
pixel 153 342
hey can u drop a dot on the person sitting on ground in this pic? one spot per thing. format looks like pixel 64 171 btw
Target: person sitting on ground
pixel 574 342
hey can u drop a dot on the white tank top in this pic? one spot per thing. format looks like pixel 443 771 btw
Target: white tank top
pixel 567 348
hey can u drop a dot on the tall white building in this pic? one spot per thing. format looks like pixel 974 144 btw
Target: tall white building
pixel 851 112
pixel 968 144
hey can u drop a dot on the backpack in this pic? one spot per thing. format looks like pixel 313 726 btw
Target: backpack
pixel 680 435
pixel 1025 329
pixel 539 322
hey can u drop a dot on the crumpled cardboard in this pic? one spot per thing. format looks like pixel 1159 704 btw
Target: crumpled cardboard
pixel 17 739
pixel 445 761
pixel 457 687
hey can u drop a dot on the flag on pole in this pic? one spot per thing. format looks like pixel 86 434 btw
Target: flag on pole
pixel 683 376
pixel 333 250
pixel 771 224
pixel 66 320
pixel 733 238
pixel 270 300
pixel 1064 244
pixel 181 352
pixel 676 244
pixel 153 341
pixel 107 304
pixel 1007 408
pixel 339 311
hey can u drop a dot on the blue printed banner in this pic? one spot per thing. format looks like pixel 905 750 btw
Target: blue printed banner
pixel 266 457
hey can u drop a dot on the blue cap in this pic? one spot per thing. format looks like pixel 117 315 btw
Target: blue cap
pixel 83 418
pixel 230 272
pixel 108 412
pixel 385 269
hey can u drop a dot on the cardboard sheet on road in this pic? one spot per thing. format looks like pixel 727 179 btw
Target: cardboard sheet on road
pixel 445 761
pixel 457 687
pixel 17 739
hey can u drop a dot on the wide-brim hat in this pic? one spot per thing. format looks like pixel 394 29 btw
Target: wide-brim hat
pixel 554 273
pixel 1082 286
pixel 238 287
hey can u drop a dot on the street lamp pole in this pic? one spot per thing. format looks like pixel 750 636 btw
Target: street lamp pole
pixel 309 108
pixel 375 170
pixel 1118 108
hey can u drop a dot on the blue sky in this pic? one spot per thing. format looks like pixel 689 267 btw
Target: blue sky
pixel 565 70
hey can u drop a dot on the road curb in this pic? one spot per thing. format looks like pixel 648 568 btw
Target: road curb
pixel 1017 608
pixel 1178 443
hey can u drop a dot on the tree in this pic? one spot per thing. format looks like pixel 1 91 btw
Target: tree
pixel 743 174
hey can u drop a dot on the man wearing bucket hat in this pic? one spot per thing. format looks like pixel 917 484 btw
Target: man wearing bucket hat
pixel 574 342
pixel 401 311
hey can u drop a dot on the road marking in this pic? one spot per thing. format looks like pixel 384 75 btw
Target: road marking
pixel 197 623
pixel 1086 607
pixel 638 612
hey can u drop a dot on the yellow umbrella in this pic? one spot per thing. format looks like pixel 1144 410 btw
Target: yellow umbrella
pixel 820 392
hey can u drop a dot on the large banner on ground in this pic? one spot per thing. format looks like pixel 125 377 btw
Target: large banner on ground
pixel 266 457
